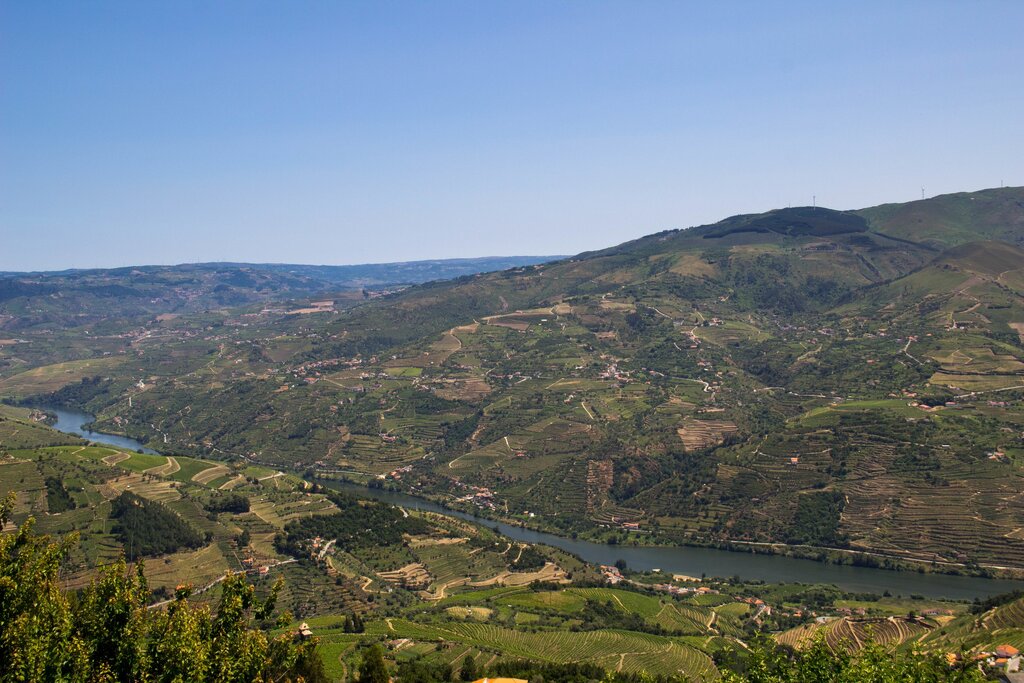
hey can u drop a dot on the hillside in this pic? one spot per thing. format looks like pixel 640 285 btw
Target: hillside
pixel 952 219
pixel 406 272
pixel 816 382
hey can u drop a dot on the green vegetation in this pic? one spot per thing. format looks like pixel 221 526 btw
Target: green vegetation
pixel 350 526
pixel 107 632
pixel 57 497
pixel 774 379
pixel 147 527
pixel 768 664
pixel 817 517
pixel 231 502
pixel 80 394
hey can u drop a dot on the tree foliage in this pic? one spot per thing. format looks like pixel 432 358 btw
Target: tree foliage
pixel 109 633
pixel 468 670
pixel 358 524
pixel 373 669
pixel 230 502
pixel 769 663
pixel 147 527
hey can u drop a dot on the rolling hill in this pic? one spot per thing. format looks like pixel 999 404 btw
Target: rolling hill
pixel 843 384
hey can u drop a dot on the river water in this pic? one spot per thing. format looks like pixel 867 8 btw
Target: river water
pixel 688 560
pixel 73 422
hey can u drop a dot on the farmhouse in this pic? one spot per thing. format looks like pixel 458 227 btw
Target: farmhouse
pixel 611 574
pixel 1005 659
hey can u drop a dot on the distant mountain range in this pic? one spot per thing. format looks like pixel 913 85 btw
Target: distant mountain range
pixel 84 295
pixel 400 272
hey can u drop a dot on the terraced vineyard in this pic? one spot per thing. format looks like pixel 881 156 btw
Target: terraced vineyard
pixel 618 650
pixel 699 434
pixel 851 634
pixel 975 632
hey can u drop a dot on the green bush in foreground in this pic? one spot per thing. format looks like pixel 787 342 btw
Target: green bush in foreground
pixel 768 663
pixel 107 633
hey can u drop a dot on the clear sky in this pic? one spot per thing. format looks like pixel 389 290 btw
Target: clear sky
pixel 349 132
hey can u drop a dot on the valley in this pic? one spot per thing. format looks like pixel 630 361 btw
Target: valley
pixel 808 423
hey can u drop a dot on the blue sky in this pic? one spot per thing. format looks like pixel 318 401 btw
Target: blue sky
pixel 331 132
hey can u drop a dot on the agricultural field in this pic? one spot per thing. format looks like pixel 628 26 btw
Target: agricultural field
pixel 616 650
pixel 72 488
pixel 849 634
pixel 981 631
pixel 450 589
pixel 49 378
pixel 487 625
pixel 565 412
pixel 25 428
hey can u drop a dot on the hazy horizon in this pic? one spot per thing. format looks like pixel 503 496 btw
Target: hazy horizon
pixel 342 134
pixel 279 264
pixel 317 264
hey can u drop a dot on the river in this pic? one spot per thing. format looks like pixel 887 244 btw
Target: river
pixel 692 561
pixel 74 421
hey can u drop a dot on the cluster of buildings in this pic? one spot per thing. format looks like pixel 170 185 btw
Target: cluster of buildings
pixel 612 372
pixel 318 548
pixel 396 473
pixel 997 455
pixel 312 369
pixel 254 569
pixel 673 589
pixel 481 496
pixel 612 574
pixel 1005 660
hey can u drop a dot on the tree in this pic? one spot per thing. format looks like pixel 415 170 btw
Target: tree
pixel 36 626
pixel 108 632
pixel 468 671
pixel 373 669
pixel 768 663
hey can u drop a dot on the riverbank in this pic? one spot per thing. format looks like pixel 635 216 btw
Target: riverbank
pixel 750 563
pixel 709 561
pixel 866 559
pixel 75 422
